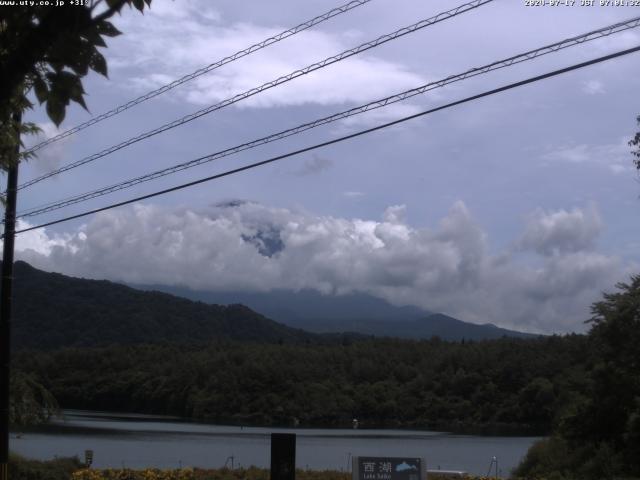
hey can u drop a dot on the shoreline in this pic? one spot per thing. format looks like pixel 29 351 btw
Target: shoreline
pixel 490 430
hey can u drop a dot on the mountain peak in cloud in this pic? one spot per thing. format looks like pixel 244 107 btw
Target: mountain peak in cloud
pixel 253 247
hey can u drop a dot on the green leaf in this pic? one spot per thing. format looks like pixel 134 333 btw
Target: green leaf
pixel 82 58
pixel 79 99
pixel 56 110
pixel 57 65
pixel 76 94
pixel 74 90
pixel 139 4
pixel 107 29
pixel 41 89
pixel 65 86
pixel 97 63
pixel 93 37
pixel 63 83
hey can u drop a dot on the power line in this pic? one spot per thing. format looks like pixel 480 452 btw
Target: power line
pixel 529 55
pixel 266 86
pixel 340 139
pixel 201 71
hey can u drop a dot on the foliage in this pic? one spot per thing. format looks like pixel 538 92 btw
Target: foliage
pixel 484 387
pixel 599 435
pixel 251 473
pixel 29 402
pixel 545 456
pixel 635 142
pixel 58 469
pixel 128 474
pixel 51 310
pixel 49 50
pixel 13 129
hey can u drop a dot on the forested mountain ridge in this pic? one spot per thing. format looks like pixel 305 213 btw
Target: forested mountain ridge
pixel 51 310
pixel 355 312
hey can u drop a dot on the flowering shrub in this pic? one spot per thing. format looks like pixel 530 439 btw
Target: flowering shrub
pixel 251 473
pixel 128 474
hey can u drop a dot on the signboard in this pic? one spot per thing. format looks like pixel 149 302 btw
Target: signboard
pixel 283 456
pixel 388 468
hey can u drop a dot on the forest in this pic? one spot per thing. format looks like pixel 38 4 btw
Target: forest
pixel 581 391
pixel 507 385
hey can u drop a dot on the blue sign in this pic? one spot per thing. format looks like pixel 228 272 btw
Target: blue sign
pixel 388 468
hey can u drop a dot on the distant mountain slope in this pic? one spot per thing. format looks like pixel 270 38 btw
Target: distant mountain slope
pixel 51 310
pixel 435 324
pixel 358 312
pixel 302 305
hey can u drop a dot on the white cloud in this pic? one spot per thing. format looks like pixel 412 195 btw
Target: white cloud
pixel 52 156
pixel 562 231
pixel 620 41
pixel 616 168
pixel 593 87
pixel 353 194
pixel 378 116
pixel 168 49
pixel 251 246
pixel 616 156
pixel 38 242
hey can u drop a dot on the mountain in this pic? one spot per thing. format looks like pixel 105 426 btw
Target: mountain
pixel 51 310
pixel 356 312
pixel 301 306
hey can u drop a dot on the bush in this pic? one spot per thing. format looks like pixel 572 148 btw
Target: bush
pixel 251 473
pixel 546 457
pixel 21 468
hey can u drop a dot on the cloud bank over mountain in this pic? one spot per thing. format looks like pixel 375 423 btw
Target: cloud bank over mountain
pixel 545 282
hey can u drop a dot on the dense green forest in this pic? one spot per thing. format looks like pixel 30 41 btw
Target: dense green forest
pixel 583 391
pixel 497 385
pixel 53 310
pixel 598 434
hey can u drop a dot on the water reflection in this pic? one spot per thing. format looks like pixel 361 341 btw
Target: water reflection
pixel 138 441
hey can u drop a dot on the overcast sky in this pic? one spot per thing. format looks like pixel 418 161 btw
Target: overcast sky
pixel 519 209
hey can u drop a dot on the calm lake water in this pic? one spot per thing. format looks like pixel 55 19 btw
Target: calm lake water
pixel 138 441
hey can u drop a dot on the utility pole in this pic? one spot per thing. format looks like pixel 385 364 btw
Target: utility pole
pixel 5 299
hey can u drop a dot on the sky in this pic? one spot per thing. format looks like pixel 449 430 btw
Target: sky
pixel 519 209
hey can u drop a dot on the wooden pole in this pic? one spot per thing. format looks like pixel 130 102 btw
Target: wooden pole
pixel 5 301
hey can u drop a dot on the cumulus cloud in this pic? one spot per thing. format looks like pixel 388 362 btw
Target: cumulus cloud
pixel 167 49
pixel 244 245
pixel 562 231
pixel 51 157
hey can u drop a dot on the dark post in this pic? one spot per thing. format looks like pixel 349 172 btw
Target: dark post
pixel 5 303
pixel 283 456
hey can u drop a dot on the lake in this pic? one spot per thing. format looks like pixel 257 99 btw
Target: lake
pixel 137 441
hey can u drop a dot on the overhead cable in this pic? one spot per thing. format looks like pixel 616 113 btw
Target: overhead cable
pixel 516 59
pixel 338 140
pixel 266 86
pixel 201 71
